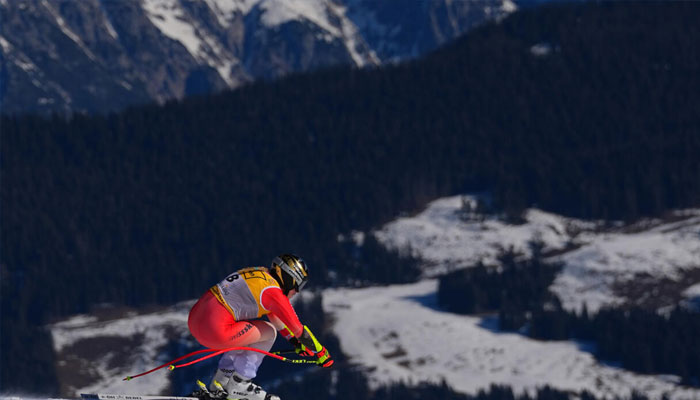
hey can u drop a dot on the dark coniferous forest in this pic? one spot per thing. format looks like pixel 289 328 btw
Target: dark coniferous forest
pixel 155 204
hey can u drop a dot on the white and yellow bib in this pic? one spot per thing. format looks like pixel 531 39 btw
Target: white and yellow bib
pixel 241 292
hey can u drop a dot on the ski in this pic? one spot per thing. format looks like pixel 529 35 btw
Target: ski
pixel 104 396
pixel 201 394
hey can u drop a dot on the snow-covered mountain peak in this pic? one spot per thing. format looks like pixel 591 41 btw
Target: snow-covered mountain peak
pixel 163 49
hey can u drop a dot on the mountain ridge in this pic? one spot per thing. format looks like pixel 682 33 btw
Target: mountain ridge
pixel 103 55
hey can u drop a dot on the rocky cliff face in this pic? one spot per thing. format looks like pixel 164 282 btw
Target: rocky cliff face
pixel 103 55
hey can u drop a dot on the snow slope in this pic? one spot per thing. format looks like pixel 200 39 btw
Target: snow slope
pixel 399 334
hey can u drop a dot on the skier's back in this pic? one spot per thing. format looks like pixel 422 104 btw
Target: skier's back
pixel 229 315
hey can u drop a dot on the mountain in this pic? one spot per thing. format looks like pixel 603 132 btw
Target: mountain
pixel 586 111
pixel 102 55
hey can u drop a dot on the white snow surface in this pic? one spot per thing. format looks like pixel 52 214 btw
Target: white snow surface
pixel 226 9
pixel 278 12
pixel 398 334
pixel 601 257
pixel 169 17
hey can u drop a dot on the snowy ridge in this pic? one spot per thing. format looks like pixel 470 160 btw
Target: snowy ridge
pixel 171 19
pixel 136 51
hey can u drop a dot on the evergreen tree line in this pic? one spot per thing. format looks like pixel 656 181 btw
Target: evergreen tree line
pixel 370 263
pixel 640 340
pixel 518 285
pixel 154 204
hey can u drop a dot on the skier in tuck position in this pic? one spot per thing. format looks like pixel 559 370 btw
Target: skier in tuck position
pixel 229 315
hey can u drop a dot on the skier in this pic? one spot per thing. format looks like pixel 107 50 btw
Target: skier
pixel 229 315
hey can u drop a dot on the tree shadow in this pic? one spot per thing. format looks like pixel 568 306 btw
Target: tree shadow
pixel 427 300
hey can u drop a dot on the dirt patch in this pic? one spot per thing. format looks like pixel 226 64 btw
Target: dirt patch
pixel 398 352
pixel 652 293
pixel 408 364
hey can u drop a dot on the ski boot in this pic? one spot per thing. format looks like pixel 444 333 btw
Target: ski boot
pixel 240 388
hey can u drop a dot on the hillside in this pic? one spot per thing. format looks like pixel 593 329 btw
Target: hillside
pixel 650 263
pixel 399 333
pixel 585 110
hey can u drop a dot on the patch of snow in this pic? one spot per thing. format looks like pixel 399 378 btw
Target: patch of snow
pixel 357 237
pixel 693 291
pixel 6 46
pixel 352 38
pixel 108 23
pixel 218 58
pixel 447 242
pixel 169 17
pixel 20 59
pixel 67 31
pixel 126 85
pixel 26 65
pixel 398 334
pixel 509 6
pixel 226 9
pixel 541 49
pixel 278 12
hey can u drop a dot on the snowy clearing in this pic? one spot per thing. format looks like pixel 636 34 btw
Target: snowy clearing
pixel 398 334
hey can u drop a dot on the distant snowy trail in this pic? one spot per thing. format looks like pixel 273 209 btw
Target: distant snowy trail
pixel 398 333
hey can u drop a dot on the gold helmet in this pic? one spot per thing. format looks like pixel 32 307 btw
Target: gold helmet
pixel 290 271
